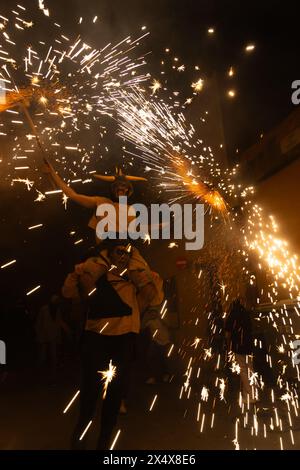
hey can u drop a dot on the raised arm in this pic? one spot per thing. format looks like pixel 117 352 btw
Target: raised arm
pixel 81 282
pixel 86 201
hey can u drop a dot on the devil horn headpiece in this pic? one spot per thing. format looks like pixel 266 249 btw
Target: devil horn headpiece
pixel 119 175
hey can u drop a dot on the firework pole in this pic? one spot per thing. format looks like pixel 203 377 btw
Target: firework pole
pixel 23 104
pixel 33 128
pixel 23 107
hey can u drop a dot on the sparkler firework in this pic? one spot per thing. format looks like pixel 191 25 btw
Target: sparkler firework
pixel 107 377
pixel 60 91
pixel 60 87
pixel 167 146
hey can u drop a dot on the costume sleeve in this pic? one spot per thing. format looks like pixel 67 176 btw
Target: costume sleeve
pixel 94 267
pixel 137 262
pixel 83 279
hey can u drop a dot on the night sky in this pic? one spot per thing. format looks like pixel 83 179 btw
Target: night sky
pixel 263 78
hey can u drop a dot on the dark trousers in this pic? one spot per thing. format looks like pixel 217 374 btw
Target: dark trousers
pixel 97 351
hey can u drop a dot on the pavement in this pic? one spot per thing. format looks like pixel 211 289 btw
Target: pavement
pixel 32 416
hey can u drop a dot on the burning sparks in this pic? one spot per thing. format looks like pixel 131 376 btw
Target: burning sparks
pixel 272 251
pixel 107 377
pixel 196 342
pixel 222 387
pixel 204 394
pixel 43 100
pixel 26 181
pixel 173 245
pixel 152 403
pixel 8 264
pixel 147 238
pixel 63 103
pixel 40 197
pixel 71 401
pixel 42 7
pixel 85 430
pixel 231 93
pixel 64 200
pixel 156 85
pixel 115 440
pixel 35 226
pixel 105 83
pixel 33 290
pixel 235 441
pixel 250 48
pixel 207 354
pixel 198 85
